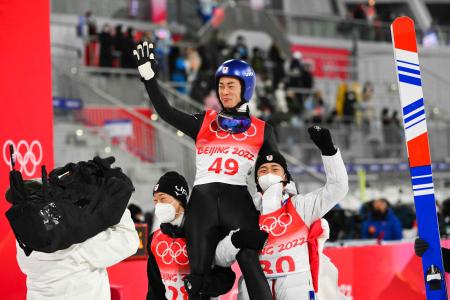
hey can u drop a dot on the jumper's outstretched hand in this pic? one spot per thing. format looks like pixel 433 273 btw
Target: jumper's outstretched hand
pixel 145 60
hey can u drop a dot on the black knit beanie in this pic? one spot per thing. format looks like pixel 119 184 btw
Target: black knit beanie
pixel 271 157
pixel 175 185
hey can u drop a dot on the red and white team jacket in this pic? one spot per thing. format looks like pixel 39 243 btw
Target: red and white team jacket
pixel 292 247
pixel 294 240
pixel 225 157
pixel 323 272
pixel 172 260
pixel 291 226
pixel 286 249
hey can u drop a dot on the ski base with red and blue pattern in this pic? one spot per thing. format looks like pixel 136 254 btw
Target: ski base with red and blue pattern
pixel 416 136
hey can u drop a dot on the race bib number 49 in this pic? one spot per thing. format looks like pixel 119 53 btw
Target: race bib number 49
pixel 228 167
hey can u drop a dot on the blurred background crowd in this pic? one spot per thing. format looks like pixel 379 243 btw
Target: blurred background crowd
pixel 327 62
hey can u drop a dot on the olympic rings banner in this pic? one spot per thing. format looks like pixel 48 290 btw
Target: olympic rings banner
pixel 26 114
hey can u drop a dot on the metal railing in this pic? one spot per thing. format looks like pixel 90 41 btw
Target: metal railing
pixel 176 99
pixel 107 8
pixel 180 16
pixel 171 145
pixel 363 141
pixel 66 71
pixel 71 20
pixel 338 27
pixel 136 10
pixel 242 16
pixel 360 144
pixel 166 145
pixel 356 143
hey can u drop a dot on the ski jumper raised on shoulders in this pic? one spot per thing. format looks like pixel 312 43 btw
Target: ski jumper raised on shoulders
pixel 227 144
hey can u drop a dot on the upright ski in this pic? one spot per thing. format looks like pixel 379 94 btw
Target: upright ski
pixel 416 135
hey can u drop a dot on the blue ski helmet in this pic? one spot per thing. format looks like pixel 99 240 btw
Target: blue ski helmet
pixel 240 70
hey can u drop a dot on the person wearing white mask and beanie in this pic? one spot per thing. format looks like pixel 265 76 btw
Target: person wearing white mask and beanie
pixel 168 264
pixel 291 258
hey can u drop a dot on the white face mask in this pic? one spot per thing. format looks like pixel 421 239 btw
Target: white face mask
pixel 272 199
pixel 267 180
pixel 165 212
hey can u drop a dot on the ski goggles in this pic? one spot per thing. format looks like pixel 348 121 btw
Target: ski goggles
pixel 233 124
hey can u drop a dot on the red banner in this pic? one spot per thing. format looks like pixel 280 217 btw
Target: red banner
pixel 379 272
pixel 326 62
pixel 26 114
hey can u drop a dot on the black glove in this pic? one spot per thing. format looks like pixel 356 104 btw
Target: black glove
pixel 420 246
pixel 145 60
pixel 250 239
pixel 193 284
pixel 322 138
pixel 218 282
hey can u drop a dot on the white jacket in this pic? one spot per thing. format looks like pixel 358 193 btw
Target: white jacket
pixel 311 207
pixel 79 272
pixel 328 278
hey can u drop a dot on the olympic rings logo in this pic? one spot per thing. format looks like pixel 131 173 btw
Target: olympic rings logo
pixel 221 134
pixel 27 156
pixel 276 226
pixel 174 252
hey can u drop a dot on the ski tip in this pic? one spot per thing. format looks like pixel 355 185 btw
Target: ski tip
pixel 403 34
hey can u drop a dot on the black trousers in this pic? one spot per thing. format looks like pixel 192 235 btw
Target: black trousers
pixel 213 210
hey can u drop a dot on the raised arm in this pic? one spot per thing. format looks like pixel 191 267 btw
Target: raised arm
pixel 189 124
pixel 316 204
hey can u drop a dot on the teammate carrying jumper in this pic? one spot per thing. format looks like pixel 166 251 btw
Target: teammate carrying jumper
pixel 291 258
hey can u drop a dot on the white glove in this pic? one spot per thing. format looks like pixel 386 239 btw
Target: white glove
pixel 145 60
